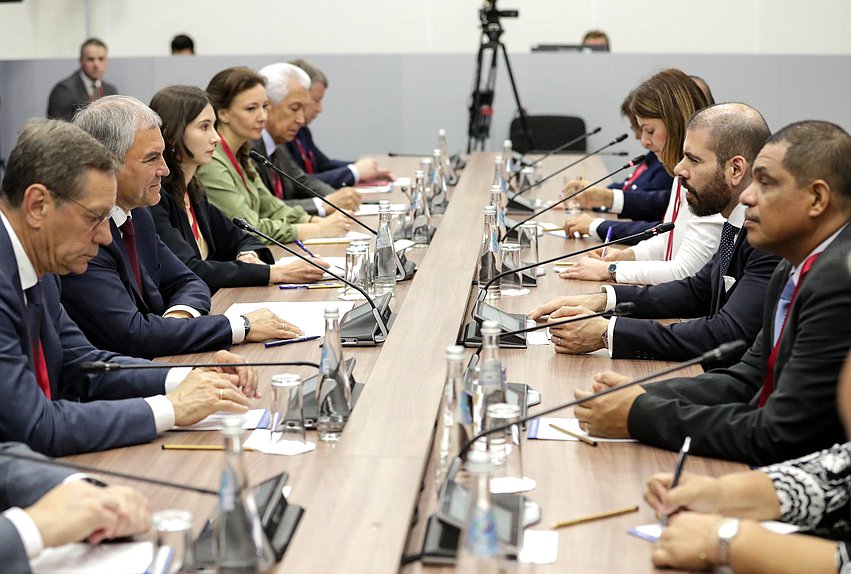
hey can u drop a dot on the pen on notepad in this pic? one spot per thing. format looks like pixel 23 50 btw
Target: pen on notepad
pixel 598 516
pixel 578 437
pixel 198 447
pixel 608 238
pixel 678 471
pixel 289 341
pixel 303 248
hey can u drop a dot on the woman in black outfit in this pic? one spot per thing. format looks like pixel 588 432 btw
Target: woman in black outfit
pixel 197 232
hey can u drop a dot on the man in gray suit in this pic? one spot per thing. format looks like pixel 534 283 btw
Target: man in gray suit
pixel 83 86
pixel 286 88
pixel 45 506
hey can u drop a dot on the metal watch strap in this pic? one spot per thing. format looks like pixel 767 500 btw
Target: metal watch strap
pixel 247 324
pixel 727 531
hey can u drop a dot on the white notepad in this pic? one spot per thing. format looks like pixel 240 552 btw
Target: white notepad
pixel 309 316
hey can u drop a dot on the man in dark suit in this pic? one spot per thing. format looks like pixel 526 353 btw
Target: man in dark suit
pixel 336 173
pixel 55 200
pixel 83 86
pixel 725 297
pixel 45 506
pixel 779 401
pixel 137 297
pixel 286 88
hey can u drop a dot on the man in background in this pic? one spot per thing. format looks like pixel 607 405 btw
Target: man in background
pixel 83 86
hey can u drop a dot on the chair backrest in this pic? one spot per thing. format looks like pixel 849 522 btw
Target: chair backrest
pixel 548 133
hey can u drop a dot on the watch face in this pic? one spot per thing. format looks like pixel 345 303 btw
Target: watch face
pixel 728 529
pixel 613 267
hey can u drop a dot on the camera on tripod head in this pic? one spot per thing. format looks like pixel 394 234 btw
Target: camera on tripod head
pixel 489 13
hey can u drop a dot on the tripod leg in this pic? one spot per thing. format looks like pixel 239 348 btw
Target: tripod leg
pixel 530 140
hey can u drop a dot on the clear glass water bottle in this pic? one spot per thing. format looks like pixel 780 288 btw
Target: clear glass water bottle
pixel 334 393
pixel 499 199
pixel 455 415
pixel 241 546
pixel 384 257
pixel 488 379
pixel 489 256
pixel 479 548
pixel 445 161
pixel 511 166
pixel 439 188
pixel 499 173
pixel 421 217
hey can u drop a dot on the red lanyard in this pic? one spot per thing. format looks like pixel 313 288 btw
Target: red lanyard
pixel 639 171
pixel 193 220
pixel 306 157
pixel 233 161
pixel 670 250
pixel 768 380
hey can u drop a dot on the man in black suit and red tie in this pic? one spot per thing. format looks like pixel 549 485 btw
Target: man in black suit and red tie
pixel 779 401
pixel 83 86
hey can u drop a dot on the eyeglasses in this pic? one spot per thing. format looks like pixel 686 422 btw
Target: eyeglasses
pixel 94 218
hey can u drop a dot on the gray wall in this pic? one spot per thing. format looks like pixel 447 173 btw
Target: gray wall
pixel 382 103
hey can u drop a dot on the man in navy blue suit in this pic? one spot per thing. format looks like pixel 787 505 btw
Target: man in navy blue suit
pixel 336 173
pixel 137 297
pixel 55 201
pixel 725 298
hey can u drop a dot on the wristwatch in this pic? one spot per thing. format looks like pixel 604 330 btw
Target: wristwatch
pixel 613 271
pixel 247 324
pixel 727 531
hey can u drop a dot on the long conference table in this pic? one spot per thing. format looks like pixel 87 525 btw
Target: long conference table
pixel 367 498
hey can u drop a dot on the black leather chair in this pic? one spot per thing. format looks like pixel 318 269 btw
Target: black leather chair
pixel 548 133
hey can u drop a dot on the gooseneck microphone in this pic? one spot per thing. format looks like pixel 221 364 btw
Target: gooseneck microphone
pixel 357 328
pixel 94 469
pixel 721 353
pixel 262 159
pixel 632 163
pixel 646 234
pixel 107 367
pixel 562 147
pixel 617 140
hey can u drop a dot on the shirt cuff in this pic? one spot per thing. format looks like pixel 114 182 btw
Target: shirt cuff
pixel 320 207
pixel 175 376
pixel 237 328
pixel 27 530
pixel 617 201
pixel 354 171
pixel 611 297
pixel 592 229
pixel 611 334
pixel 163 412
pixel 186 308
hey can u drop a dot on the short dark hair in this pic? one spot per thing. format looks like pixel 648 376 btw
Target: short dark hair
pixel 182 42
pixel 817 150
pixel 56 154
pixel 222 90
pixel 177 106
pixel 704 87
pixel 315 74
pixel 734 129
pixel 92 42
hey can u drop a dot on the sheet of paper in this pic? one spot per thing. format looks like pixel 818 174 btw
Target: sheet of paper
pixel 540 429
pixel 402 181
pixel 539 547
pixel 563 235
pixel 367 190
pixel 372 209
pixel 652 532
pixel 253 418
pixel 113 558
pixel 348 237
pixel 402 245
pixel 309 316
pixel 261 440
pixel 541 337
pixel 338 264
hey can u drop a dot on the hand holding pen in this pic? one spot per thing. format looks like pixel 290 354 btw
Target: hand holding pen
pixel 675 481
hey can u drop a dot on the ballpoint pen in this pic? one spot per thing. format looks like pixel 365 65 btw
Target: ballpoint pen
pixel 289 341
pixel 678 471
pixel 608 238
pixel 304 248
pixel 309 286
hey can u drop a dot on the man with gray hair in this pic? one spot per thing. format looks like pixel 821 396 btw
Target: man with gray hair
pixel 55 202
pixel 725 298
pixel 286 88
pixel 137 297
pixel 336 173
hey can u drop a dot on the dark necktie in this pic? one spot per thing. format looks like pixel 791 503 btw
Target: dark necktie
pixel 34 314
pixel 274 177
pixel 725 252
pixel 128 234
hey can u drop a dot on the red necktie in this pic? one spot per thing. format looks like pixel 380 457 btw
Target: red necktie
pixel 635 175
pixel 34 315
pixel 128 233
pixel 768 379
pixel 306 156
